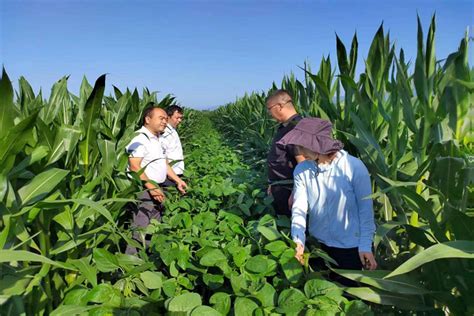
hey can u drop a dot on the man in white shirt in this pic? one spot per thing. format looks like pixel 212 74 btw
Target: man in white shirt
pixel 147 158
pixel 171 141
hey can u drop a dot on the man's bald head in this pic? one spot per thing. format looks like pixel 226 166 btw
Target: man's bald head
pixel 279 105
pixel 155 119
pixel 159 111
pixel 150 111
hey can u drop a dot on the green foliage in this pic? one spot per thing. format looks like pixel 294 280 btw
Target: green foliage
pixel 412 127
pixel 217 249
pixel 65 198
pixel 63 193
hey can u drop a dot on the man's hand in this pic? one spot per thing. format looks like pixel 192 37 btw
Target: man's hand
pixel 290 201
pixel 299 252
pixel 157 195
pixel 269 190
pixel 181 186
pixel 368 260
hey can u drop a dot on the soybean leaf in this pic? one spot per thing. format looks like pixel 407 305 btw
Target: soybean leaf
pixel 244 306
pixel 184 302
pixel 319 287
pixel 257 264
pixel 205 311
pixel 357 308
pixel 221 302
pixel 266 295
pixel 213 281
pixel 239 284
pixel 76 297
pixel 276 247
pixel 291 301
pixel 212 258
pixel 105 293
pixel 291 267
pixel 106 262
pixel 71 310
pixel 152 280
pixel 269 233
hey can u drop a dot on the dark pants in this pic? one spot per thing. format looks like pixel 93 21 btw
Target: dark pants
pixel 169 183
pixel 147 209
pixel 280 195
pixel 346 258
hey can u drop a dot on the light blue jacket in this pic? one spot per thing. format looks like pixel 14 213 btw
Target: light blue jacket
pixel 340 214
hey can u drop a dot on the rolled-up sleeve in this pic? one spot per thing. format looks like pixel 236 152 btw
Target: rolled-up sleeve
pixel 362 189
pixel 137 147
pixel 299 209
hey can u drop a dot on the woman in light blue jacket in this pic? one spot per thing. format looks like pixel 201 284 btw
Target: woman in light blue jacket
pixel 333 188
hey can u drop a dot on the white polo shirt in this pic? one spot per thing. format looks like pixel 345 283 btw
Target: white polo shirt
pixel 148 146
pixel 173 149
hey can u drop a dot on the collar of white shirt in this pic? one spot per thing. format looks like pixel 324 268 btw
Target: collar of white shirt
pixel 326 167
pixel 147 132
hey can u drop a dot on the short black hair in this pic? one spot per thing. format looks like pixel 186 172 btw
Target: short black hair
pixel 174 108
pixel 147 111
pixel 278 93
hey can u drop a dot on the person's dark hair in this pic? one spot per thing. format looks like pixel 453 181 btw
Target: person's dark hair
pixel 147 111
pixel 173 108
pixel 277 94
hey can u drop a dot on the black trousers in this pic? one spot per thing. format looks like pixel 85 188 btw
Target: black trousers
pixel 346 258
pixel 169 183
pixel 280 195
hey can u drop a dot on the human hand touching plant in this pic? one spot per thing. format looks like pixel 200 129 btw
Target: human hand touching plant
pixel 368 260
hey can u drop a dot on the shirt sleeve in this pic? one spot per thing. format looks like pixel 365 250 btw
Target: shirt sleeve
pixel 136 148
pixel 362 190
pixel 299 209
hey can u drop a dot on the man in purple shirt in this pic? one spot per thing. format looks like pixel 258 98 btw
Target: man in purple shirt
pixel 281 162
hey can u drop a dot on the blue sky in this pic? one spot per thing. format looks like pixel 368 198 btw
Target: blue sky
pixel 206 53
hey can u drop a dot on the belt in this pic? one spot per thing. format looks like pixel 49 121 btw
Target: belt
pixel 283 182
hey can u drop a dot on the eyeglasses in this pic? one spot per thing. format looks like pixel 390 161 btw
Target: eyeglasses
pixel 279 103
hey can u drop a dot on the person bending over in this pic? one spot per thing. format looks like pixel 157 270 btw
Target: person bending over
pixel 333 188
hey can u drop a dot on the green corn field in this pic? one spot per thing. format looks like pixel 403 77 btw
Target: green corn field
pixel 66 199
